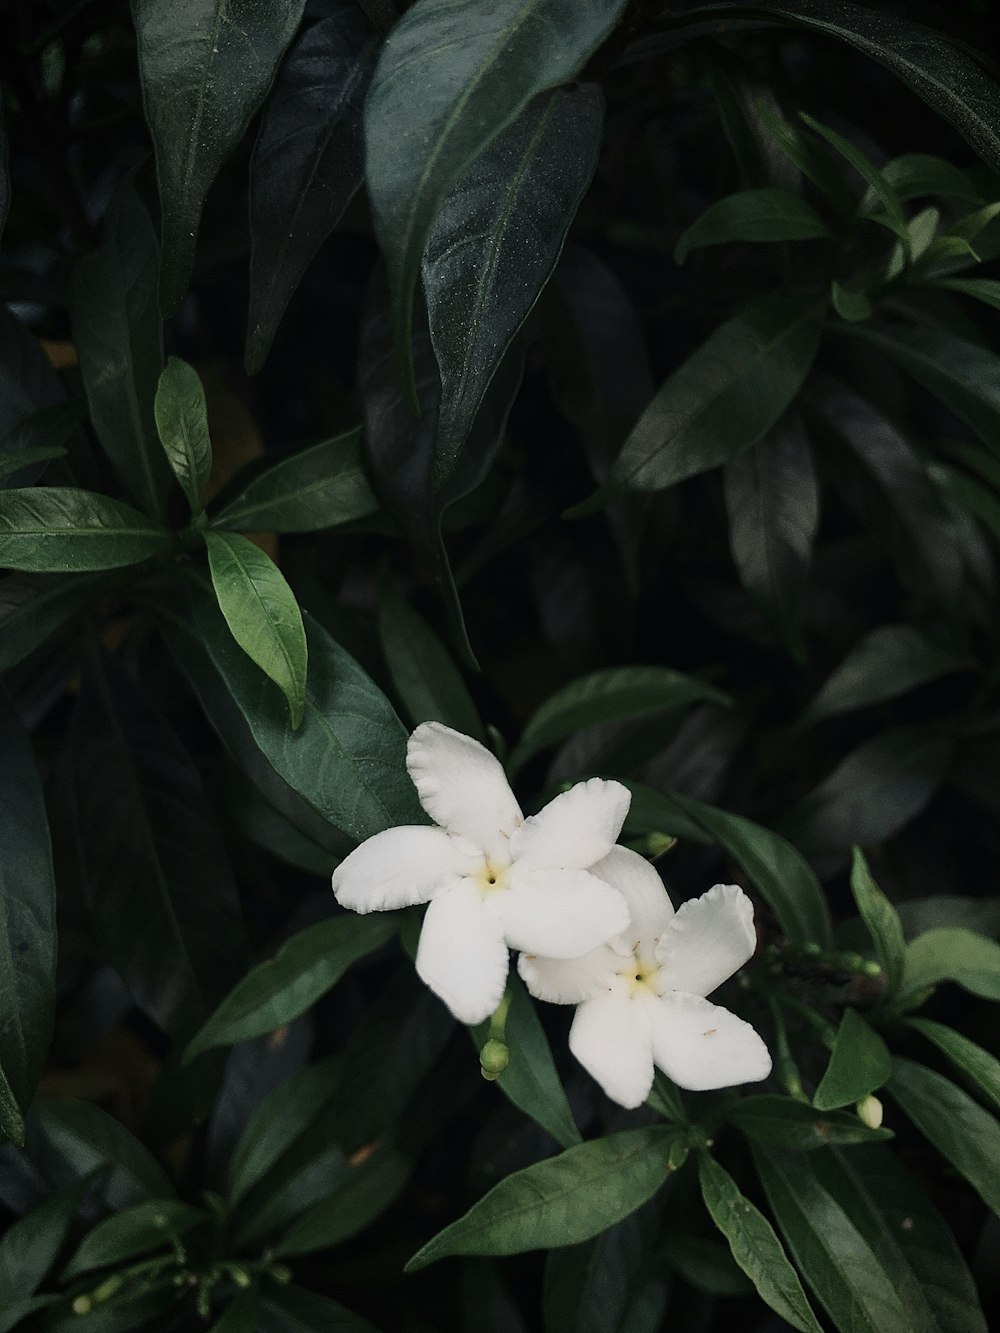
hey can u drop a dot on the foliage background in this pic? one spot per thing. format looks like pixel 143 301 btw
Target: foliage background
pixel 718 488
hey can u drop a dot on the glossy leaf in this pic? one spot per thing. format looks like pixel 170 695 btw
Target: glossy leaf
pixel 772 502
pixel 980 1068
pixel 604 696
pixel 882 665
pixel 262 613
pixel 27 923
pixel 205 68
pixel 319 487
pixel 82 1138
pixel 754 1245
pixel 951 953
pixel 477 72
pixel 561 1200
pixel 307 163
pixel 725 397
pixel 752 215
pixel 786 1123
pixel 859 1064
pixel 373 1186
pixel 777 870
pixel 609 1283
pixel 182 424
pixel 147 1226
pixel 304 968
pixel 882 921
pixel 31 1245
pixel 58 529
pixel 494 244
pixel 963 1133
pixel 119 338
pixel 155 870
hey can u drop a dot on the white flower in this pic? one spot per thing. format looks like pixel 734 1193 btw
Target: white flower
pixel 493 878
pixel 641 997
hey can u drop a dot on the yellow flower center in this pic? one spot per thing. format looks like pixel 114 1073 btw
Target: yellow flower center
pixel 640 976
pixel 491 878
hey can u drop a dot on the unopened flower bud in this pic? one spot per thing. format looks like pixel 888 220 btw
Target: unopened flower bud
pixel 494 1059
pixel 869 1111
pixel 82 1305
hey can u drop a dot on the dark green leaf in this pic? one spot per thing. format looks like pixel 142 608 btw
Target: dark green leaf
pixel 82 1138
pixel 859 1064
pixel 119 340
pixel 918 175
pixel 13 1312
pixel 951 953
pixel 295 1310
pixel 262 613
pixel 319 487
pixel 11 1119
pixel 963 1133
pixel 155 870
pixel 494 244
pixel 476 70
pixel 426 680
pixel 882 921
pixel 240 1314
pixel 147 1226
pixel 205 67
pixel 772 502
pixel 986 290
pixel 893 217
pixel 4 174
pixel 650 811
pixel 752 215
pixel 755 1247
pixel 776 869
pixel 30 1246
pixel 560 1201
pixel 58 529
pixel 27 922
pixel 787 1123
pixel 531 1081
pixel 604 696
pixel 303 1184
pixel 980 1068
pixel 883 665
pixel 14 460
pixel 304 968
pixel 374 1183
pixel 725 397
pixel 182 424
pixel 307 163
pixel 38 439
pixel 30 390
pixel 596 1286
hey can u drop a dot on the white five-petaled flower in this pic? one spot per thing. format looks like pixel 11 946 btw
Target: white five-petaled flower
pixel 641 997
pixel 493 879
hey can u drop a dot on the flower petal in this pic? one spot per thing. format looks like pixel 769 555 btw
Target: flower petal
pixel 397 868
pixel 463 787
pixel 639 884
pixel 462 956
pixel 559 913
pixel 568 980
pixel 610 1037
pixel 576 828
pixel 700 1045
pixel 708 939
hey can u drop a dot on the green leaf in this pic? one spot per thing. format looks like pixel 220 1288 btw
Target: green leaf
pixel 81 1139
pixel 476 71
pixel 777 870
pixel 426 680
pixel 951 953
pixel 755 1247
pixel 651 811
pixel 561 1200
pixel 320 487
pixel 14 460
pixel 58 529
pixel 894 216
pixel 726 396
pixel 608 1283
pixel 240 1314
pixel 119 340
pixel 12 1312
pixel 787 1123
pixel 27 924
pixel 30 1246
pixel 980 1068
pixel 304 968
pixel 205 67
pixel 262 613
pixel 494 244
pixel 752 215
pixel 919 175
pixel 986 290
pixel 604 696
pixel 884 664
pixel 182 423
pixel 946 78
pixel 882 921
pixel 294 1310
pixel 147 1226
pixel 859 1063
pixel 373 1185
pixel 850 304
pixel 162 898
pixel 772 502
pixel 531 1081
pixel 307 163
pixel 963 1133
pixel 829 1246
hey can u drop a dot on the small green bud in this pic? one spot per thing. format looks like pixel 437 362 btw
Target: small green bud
pixel 656 844
pixel 494 1059
pixel 108 1288
pixel 811 950
pixel 678 1155
pixel 83 1305
pixel 280 1272
pixel 869 1111
pixel 241 1277
pixel 872 969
